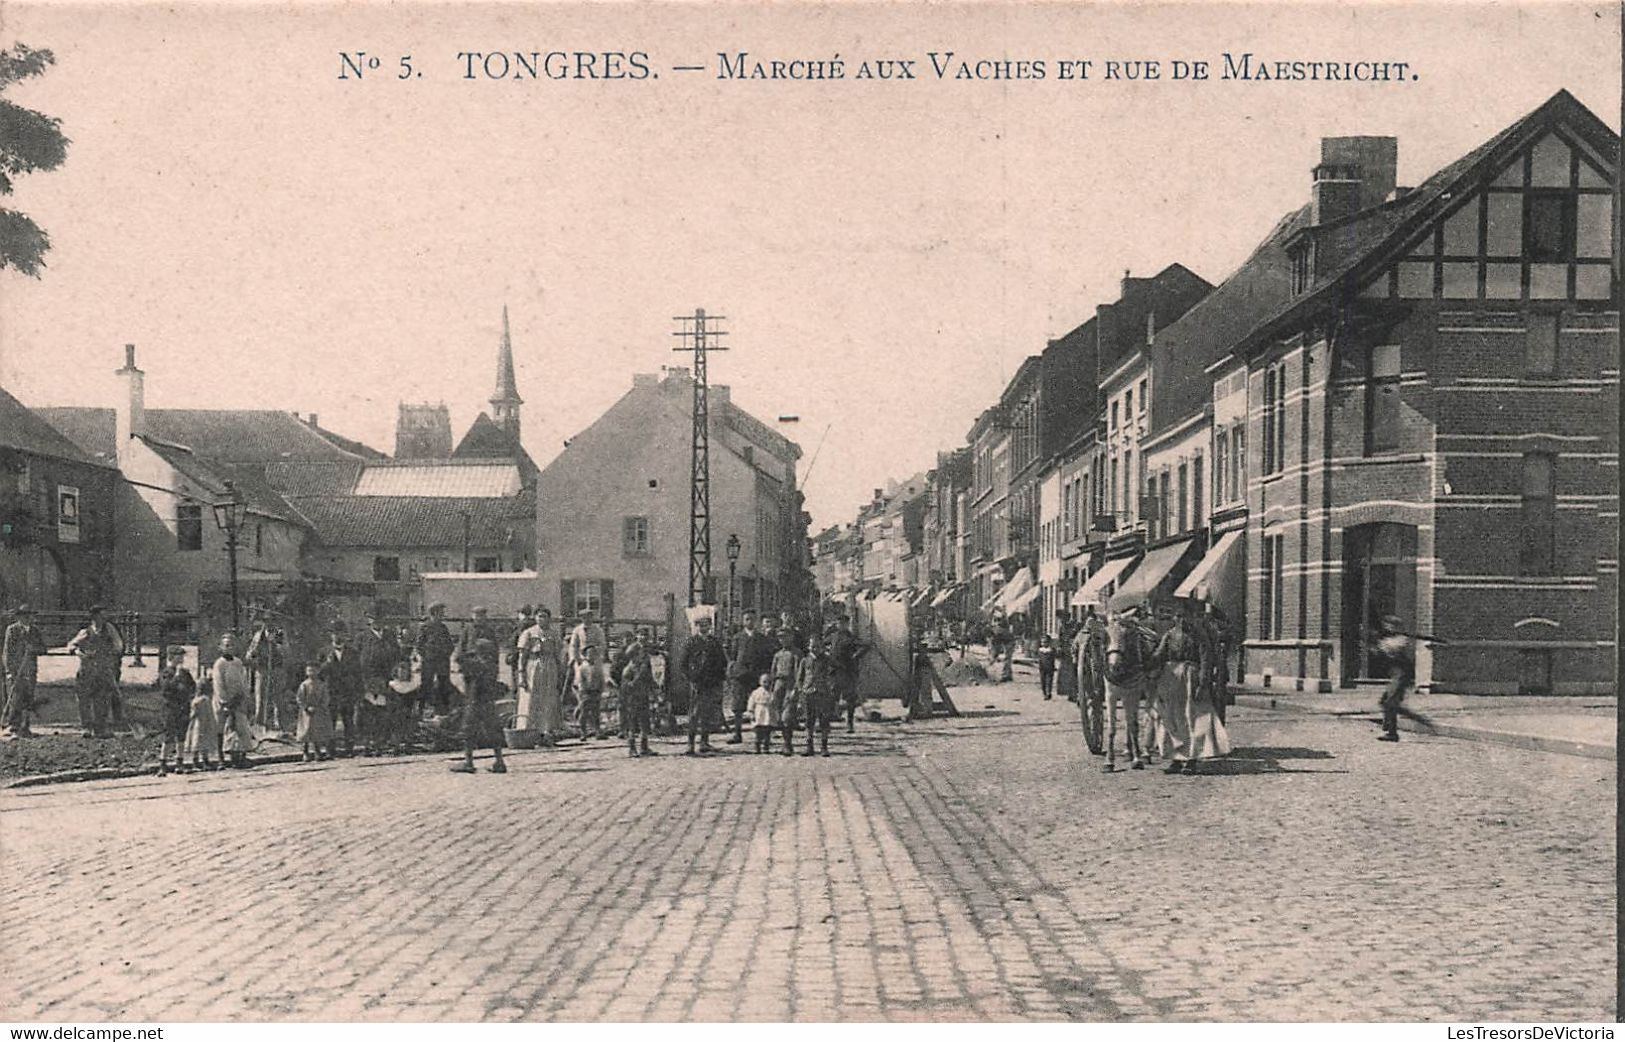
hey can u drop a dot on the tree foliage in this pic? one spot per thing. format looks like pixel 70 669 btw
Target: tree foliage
pixel 29 141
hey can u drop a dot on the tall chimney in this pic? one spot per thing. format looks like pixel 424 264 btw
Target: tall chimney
pixel 1354 173
pixel 130 417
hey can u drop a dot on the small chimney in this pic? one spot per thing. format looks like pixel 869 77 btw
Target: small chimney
pixel 720 393
pixel 312 421
pixel 130 418
pixel 1354 173
pixel 645 379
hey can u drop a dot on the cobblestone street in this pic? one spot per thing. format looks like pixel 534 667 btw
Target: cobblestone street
pixel 980 868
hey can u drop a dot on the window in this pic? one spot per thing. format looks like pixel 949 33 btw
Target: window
pixel 635 536
pixel 1302 265
pixel 259 540
pixel 1196 492
pixel 594 595
pixel 1548 231
pixel 487 564
pixel 1114 416
pixel 1183 501
pixel 1128 405
pixel 1270 594
pixel 386 569
pixel 1114 508
pixel 1540 344
pixel 189 526
pixel 1221 464
pixel 1238 461
pixel 1539 522
pixel 1131 487
pixel 1274 418
pixel 1382 399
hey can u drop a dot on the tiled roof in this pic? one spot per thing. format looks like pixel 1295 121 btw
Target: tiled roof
pixel 1211 328
pixel 236 435
pixel 248 481
pixel 402 522
pixel 442 478
pixel 23 429
pixel 325 477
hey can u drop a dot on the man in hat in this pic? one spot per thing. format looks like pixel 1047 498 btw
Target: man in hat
pixel 480 693
pixel 435 645
pixel 340 667
pixel 637 692
pixel 476 629
pixel 705 664
pixel 752 656
pixel 19 662
pixel 99 647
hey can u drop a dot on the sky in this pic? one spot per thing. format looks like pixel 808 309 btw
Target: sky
pixel 886 252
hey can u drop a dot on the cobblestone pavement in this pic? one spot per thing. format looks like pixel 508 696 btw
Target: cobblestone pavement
pixel 973 869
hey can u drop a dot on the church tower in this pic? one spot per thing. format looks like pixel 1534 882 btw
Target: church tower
pixel 505 401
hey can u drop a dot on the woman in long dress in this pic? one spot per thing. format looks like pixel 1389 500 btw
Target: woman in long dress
pixel 541 705
pixel 1190 720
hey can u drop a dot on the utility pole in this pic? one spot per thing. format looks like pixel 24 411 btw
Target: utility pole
pixel 699 329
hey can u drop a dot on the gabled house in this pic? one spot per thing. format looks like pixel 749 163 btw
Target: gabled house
pixel 1432 418
pixel 612 513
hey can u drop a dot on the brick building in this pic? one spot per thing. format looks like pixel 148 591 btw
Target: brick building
pixel 1433 418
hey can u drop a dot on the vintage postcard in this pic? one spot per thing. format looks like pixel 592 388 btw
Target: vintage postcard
pixel 788 512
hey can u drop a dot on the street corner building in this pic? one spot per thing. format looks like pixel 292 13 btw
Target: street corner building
pixel 1434 409
pixel 613 508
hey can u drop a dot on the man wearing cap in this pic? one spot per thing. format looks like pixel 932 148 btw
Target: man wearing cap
pixel 98 646
pixel 435 645
pixel 340 667
pixel 752 656
pixel 705 664
pixel 19 662
pixel 477 629
pixel 480 693
pixel 637 693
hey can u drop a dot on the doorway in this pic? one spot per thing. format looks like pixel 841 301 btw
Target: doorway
pixel 1379 578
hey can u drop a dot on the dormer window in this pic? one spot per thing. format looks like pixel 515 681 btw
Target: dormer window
pixel 1303 265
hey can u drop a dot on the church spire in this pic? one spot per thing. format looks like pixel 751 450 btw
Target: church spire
pixel 505 400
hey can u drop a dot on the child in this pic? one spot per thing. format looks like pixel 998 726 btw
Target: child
pixel 1046 666
pixel 403 698
pixel 760 709
pixel 589 685
pixel 814 694
pixel 202 729
pixel 177 689
pixel 315 715
pixel 784 682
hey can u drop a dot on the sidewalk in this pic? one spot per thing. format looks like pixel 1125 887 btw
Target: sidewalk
pixel 1576 726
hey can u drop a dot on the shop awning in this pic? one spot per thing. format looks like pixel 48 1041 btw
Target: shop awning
pixel 920 597
pixel 1152 573
pixel 942 598
pixel 1090 591
pixel 1217 576
pixel 1019 584
pixel 1022 602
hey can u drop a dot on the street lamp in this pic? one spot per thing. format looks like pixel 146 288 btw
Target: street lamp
pixel 228 514
pixel 733 566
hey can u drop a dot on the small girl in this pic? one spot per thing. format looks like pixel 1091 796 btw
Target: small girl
pixel 403 706
pixel 202 728
pixel 315 715
pixel 177 688
pixel 761 713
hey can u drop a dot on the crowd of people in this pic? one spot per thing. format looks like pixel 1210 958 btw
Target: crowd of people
pixel 375 690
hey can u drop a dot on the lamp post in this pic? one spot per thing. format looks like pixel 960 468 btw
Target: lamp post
pixel 733 567
pixel 228 515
